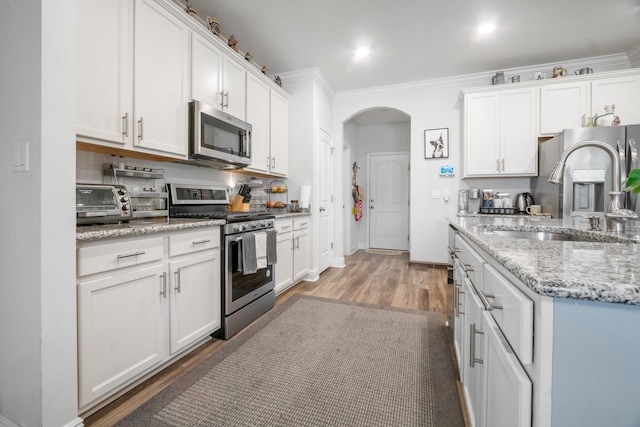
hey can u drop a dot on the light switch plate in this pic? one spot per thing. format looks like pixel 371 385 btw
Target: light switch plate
pixel 21 156
pixel 435 194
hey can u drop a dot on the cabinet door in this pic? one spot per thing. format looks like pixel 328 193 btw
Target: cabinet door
pixel 459 322
pixel 518 135
pixel 623 92
pixel 562 106
pixel 474 344
pixel 206 71
pixel 120 329
pixel 105 72
pixel 196 305
pixel 507 387
pixel 258 116
pixel 161 80
pixel 234 88
pixel 284 267
pixel 279 134
pixel 300 254
pixel 482 134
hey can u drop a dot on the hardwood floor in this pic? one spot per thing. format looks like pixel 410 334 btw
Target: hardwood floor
pixel 368 278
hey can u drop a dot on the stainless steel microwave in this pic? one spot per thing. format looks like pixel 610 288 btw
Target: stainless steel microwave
pixel 217 139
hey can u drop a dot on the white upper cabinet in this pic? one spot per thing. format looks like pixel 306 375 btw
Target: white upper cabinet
pixel 105 72
pixel 133 82
pixel 206 71
pixel 279 134
pixel 500 133
pixel 258 115
pixel 562 106
pixel 623 92
pixel 268 113
pixel 234 88
pixel 161 79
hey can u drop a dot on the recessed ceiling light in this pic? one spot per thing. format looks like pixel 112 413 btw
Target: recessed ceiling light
pixel 486 28
pixel 361 53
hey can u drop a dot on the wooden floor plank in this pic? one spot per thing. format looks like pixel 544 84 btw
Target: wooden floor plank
pixel 388 280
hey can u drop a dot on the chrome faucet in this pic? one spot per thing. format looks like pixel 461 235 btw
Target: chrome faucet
pixel 616 214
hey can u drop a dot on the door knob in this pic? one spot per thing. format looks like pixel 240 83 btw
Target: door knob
pixel 371 200
pixel 322 209
pixel 370 207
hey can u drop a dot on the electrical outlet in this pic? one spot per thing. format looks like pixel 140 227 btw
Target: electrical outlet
pixel 21 157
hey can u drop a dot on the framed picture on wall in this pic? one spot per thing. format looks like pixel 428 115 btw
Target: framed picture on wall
pixel 436 143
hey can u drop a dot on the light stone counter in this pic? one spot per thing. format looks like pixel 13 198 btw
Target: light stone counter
pixel 291 214
pixel 140 227
pixel 607 270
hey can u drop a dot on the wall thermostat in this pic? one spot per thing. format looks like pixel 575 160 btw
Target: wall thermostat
pixel 446 170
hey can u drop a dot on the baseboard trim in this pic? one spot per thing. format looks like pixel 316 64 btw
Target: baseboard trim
pixel 429 264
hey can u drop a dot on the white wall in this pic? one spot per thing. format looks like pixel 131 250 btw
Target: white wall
pixel 38 379
pixel 437 104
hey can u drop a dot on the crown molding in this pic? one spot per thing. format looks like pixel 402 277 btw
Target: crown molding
pixel 599 63
pixel 313 74
pixel 634 54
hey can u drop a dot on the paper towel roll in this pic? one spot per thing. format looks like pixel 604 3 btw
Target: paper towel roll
pixel 305 195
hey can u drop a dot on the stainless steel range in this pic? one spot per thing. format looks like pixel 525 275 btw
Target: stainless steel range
pixel 246 295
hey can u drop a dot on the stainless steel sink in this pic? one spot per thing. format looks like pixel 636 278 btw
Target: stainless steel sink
pixel 542 235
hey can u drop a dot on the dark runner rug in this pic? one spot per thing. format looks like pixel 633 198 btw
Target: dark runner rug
pixel 319 362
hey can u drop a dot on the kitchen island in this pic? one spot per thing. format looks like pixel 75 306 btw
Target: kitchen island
pixel 569 332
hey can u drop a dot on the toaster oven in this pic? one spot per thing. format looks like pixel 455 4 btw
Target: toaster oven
pixel 102 204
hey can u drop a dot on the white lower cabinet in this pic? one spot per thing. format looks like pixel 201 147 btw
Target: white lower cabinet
pixel 143 301
pixel 293 251
pixel 507 388
pixel 121 330
pixel 195 303
pixel 493 341
pixel 473 355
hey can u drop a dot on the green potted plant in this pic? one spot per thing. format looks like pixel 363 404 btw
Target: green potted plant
pixel 633 181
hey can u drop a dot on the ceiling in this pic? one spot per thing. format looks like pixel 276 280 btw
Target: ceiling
pixel 414 40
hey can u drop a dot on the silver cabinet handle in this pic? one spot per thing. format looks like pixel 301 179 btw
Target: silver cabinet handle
pixel 125 124
pixel 456 299
pixel 297 242
pixel 303 224
pixel 227 95
pixel 459 303
pixel 120 256
pixel 200 242
pixel 273 162
pixel 472 345
pixel 177 273
pixel 286 227
pixel 487 305
pixel 222 100
pixel 498 165
pixel 503 164
pixel 163 292
pixel 468 267
pixel 140 128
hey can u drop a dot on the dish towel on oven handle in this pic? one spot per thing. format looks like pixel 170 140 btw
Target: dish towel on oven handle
pixel 272 251
pixel 249 259
pixel 261 250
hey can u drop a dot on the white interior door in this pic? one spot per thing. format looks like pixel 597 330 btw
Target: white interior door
pixel 325 236
pixel 389 201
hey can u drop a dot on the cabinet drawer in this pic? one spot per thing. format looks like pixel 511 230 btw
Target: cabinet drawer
pixel 513 312
pixel 284 225
pixel 194 241
pixel 300 223
pixel 471 261
pixel 120 254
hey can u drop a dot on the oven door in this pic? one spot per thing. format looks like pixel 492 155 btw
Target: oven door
pixel 241 289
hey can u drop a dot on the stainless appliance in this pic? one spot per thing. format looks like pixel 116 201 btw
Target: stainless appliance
pixel 102 204
pixel 586 181
pixel 523 200
pixel 217 139
pixel 245 297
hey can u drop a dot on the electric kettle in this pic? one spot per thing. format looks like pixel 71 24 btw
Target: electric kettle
pixel 523 200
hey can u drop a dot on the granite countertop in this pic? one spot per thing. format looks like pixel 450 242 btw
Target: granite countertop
pixel 291 214
pixel 607 270
pixel 139 227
